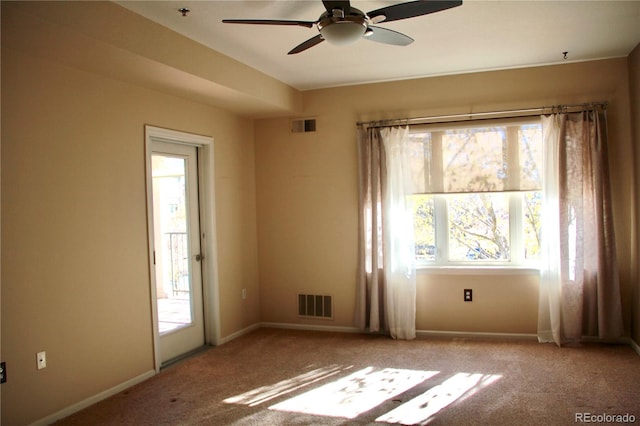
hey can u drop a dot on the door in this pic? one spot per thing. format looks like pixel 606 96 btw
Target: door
pixel 177 249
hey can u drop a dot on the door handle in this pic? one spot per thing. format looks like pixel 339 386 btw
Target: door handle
pixel 199 257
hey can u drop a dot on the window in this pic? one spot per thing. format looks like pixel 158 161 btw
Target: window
pixel 477 197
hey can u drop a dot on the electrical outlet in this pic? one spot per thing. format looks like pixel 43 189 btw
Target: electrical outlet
pixel 3 372
pixel 468 295
pixel 41 358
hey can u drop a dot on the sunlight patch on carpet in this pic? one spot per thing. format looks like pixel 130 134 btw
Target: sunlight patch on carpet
pixel 355 394
pixel 423 408
pixel 266 393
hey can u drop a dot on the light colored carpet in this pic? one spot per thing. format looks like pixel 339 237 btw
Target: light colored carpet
pixel 285 377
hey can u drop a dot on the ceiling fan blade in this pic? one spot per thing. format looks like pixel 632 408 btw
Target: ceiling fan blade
pixel 307 24
pixel 411 9
pixel 307 44
pixel 337 4
pixel 387 36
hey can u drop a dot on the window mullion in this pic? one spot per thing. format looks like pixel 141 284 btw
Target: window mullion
pixel 515 200
pixel 436 166
pixel 441 221
pixel 513 159
pixel 441 229
pixel 516 231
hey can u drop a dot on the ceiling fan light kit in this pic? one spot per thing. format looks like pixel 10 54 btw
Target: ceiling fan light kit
pixel 342 24
pixel 341 31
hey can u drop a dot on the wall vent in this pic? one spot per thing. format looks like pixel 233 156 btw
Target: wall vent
pixel 306 125
pixel 315 305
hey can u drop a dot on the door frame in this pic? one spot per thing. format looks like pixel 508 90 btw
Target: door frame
pixel 208 237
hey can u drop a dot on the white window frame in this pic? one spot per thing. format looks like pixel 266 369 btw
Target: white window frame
pixel 517 259
pixel 516 237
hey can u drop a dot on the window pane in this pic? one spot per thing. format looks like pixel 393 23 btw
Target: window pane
pixel 420 153
pixel 478 227
pixel 532 210
pixel 484 177
pixel 530 156
pixel 474 159
pixel 423 218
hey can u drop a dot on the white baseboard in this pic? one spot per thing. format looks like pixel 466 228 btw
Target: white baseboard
pixel 476 335
pixel 239 333
pixel 93 399
pixel 419 333
pixel 310 327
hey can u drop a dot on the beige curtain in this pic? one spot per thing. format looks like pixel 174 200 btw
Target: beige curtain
pixel 579 286
pixel 372 172
pixel 386 288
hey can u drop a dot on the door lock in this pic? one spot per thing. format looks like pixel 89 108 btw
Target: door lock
pixel 199 257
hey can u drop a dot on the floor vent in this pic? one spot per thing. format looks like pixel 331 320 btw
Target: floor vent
pixel 315 305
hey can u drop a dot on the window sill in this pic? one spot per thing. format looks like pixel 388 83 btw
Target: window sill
pixel 476 270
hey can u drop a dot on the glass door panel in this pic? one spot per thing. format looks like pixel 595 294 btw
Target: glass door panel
pixel 173 288
pixel 177 255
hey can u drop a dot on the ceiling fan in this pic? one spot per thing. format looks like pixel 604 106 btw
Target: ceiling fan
pixel 343 24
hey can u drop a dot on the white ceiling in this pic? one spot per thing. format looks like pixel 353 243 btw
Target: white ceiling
pixel 477 36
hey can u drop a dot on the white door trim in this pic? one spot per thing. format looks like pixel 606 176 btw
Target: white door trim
pixel 210 285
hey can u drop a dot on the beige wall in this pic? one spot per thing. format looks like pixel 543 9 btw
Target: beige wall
pixel 75 279
pixel 307 192
pixel 74 242
pixel 634 91
pixel 105 38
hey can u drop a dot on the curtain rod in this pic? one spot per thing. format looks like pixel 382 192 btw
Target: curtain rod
pixel 469 116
